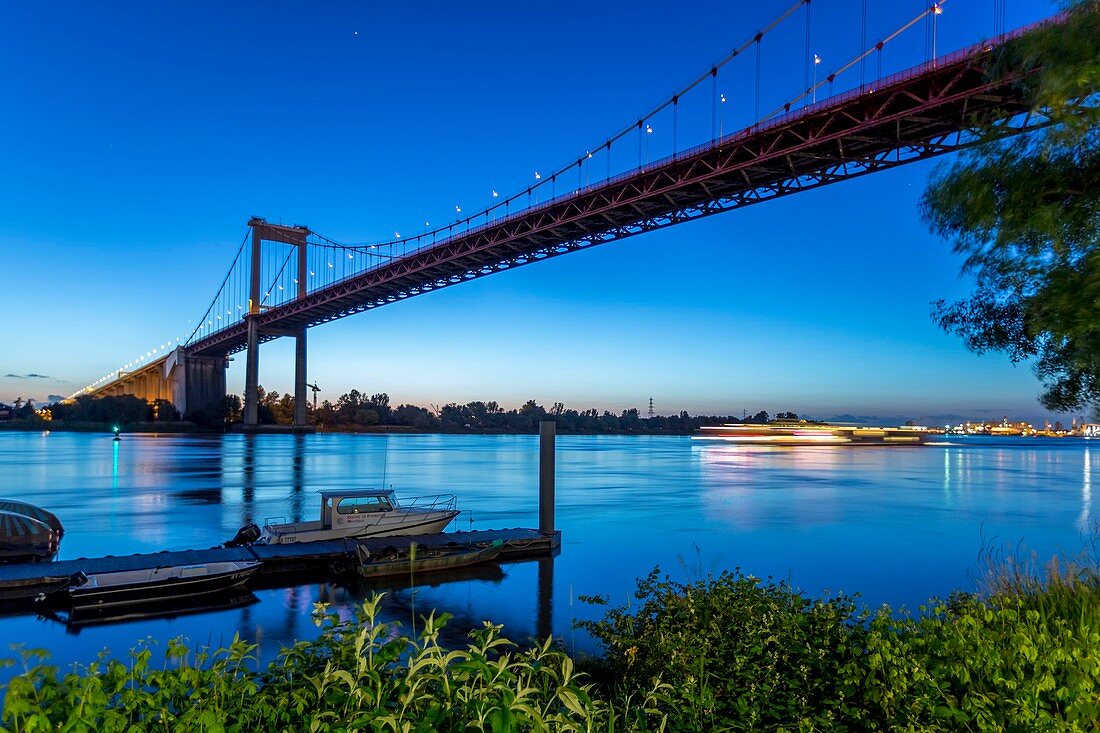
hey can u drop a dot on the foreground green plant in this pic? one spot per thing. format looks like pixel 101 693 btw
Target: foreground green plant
pixel 737 653
pixel 358 675
pixel 726 653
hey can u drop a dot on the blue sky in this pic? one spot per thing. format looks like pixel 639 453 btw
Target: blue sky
pixel 137 139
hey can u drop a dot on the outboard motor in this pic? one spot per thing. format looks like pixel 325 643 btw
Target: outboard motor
pixel 245 536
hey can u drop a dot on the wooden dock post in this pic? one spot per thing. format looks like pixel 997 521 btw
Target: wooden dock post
pixel 547 435
pixel 544 614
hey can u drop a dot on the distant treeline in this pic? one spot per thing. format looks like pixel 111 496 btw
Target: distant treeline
pixel 123 409
pixel 357 411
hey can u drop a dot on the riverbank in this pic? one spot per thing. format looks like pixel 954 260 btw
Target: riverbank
pixel 37 426
pixel 182 426
pixel 724 653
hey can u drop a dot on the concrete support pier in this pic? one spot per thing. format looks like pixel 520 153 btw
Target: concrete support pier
pixel 301 420
pixel 251 417
pixel 187 381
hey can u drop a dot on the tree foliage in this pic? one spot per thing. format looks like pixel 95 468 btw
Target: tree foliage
pixel 120 410
pixel 355 409
pixel 1025 214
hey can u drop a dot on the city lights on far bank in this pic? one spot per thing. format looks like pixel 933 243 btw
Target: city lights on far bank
pixel 1078 427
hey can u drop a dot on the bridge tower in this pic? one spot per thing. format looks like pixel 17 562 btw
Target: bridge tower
pixel 293 235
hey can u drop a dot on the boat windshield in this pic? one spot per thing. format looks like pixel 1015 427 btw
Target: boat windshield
pixel 364 504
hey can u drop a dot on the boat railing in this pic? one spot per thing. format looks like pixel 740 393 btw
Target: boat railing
pixel 432 503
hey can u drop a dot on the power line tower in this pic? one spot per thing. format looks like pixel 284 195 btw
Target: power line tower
pixel 651 408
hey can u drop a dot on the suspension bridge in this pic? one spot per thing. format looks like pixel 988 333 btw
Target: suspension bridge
pixel 287 279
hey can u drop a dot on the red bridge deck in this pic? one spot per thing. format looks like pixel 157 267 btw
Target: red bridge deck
pixel 930 110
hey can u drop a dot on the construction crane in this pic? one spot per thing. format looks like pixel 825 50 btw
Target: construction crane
pixel 315 389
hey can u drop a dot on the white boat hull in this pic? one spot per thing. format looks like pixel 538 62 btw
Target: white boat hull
pixel 371 525
pixel 160 584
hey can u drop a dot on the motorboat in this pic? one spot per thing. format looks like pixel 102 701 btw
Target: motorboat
pixel 365 513
pixel 154 585
pixel 421 560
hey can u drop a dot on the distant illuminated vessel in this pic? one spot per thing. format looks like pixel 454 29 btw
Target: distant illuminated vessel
pixel 803 432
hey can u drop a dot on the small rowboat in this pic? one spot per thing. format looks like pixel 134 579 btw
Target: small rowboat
pixel 34 512
pixel 427 561
pixel 154 585
pixel 26 538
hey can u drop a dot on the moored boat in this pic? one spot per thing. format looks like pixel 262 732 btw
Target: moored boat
pixel 34 512
pixel 24 538
pixel 365 513
pixel 422 560
pixel 152 585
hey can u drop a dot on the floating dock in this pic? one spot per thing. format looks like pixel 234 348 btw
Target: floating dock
pixel 302 562
pixel 26 580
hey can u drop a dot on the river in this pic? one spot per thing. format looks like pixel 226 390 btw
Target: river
pixel 896 525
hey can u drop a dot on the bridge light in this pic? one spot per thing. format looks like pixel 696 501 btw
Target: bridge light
pixel 397 235
pixel 537 176
pixel 937 9
pixel 817 59
pixel 495 194
pixel 648 129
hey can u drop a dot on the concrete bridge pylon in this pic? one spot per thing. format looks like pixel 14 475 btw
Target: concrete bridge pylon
pixel 188 381
pixel 296 236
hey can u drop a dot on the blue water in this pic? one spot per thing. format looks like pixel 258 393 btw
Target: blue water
pixel 897 525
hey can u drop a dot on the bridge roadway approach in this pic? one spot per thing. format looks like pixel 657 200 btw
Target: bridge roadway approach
pixel 935 108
